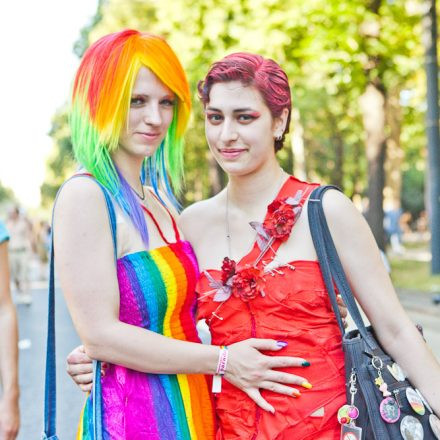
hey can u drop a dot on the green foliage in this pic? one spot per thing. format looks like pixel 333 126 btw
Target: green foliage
pixel 413 191
pixel 323 46
pixel 6 194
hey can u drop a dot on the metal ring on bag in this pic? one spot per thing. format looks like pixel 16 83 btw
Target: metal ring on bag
pixel 378 360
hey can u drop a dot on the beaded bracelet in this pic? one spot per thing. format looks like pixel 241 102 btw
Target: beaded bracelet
pixel 220 370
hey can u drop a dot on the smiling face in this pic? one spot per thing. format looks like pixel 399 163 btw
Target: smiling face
pixel 240 128
pixel 150 115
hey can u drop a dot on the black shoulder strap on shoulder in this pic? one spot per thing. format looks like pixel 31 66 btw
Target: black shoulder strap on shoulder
pixel 331 267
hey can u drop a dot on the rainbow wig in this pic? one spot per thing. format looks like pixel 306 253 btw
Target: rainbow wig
pixel 100 105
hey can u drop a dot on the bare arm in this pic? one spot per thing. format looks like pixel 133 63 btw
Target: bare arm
pixel 372 287
pixel 86 268
pixel 9 413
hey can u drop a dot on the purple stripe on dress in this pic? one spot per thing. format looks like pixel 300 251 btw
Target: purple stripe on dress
pixel 128 399
pixel 133 308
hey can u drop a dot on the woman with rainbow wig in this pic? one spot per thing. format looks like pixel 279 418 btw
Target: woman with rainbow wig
pixel 127 274
pixel 259 271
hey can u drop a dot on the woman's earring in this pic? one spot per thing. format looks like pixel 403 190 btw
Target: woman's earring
pixel 279 137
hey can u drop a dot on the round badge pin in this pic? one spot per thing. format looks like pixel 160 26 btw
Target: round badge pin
pixel 389 410
pixel 434 422
pixel 397 372
pixel 353 412
pixel 415 401
pixel 411 428
pixel 424 401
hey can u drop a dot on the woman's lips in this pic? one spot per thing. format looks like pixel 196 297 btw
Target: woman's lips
pixel 150 136
pixel 231 153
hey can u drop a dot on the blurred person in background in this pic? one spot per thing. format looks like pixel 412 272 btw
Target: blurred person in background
pixel 42 246
pixel 9 411
pixel 20 252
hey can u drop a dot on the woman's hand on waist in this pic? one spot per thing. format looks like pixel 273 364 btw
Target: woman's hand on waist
pixel 250 370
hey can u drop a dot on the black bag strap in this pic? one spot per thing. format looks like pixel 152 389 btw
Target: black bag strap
pixel 331 267
pixel 50 375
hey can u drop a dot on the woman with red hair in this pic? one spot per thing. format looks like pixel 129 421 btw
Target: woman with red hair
pixel 276 289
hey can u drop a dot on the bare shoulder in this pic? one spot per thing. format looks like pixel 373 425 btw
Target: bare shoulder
pixel 80 196
pixel 337 205
pixel 343 218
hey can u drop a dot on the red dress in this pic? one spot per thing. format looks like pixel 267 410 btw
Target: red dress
pixel 295 309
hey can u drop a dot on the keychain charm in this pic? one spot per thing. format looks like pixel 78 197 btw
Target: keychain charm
pixel 381 384
pixel 389 408
pixel 348 414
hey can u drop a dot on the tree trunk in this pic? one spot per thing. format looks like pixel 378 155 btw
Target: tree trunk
pixel 372 104
pixel 395 154
pixel 432 128
pixel 337 177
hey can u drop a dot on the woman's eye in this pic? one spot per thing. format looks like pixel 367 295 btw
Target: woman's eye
pixel 214 117
pixel 246 118
pixel 167 102
pixel 137 100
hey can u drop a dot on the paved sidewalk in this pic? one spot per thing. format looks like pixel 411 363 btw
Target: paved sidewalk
pixel 423 311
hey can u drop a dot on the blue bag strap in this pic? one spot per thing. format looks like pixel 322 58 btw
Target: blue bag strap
pixel 331 267
pixel 50 375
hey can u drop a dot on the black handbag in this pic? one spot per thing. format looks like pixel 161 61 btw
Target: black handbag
pixel 396 410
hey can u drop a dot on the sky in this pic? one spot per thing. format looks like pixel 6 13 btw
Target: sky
pixel 37 67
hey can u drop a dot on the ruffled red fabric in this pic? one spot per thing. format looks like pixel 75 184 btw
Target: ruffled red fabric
pixel 295 309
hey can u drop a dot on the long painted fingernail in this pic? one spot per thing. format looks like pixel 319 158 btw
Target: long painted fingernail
pixel 305 364
pixel 282 344
pixel 306 385
pixel 296 393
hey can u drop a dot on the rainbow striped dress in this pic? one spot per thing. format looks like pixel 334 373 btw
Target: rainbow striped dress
pixel 157 292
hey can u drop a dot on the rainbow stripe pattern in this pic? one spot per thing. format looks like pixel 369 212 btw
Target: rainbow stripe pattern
pixel 157 292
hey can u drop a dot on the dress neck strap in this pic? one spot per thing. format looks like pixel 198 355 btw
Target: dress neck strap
pixel 173 220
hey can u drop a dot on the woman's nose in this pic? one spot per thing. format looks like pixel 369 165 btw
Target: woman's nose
pixel 152 114
pixel 228 132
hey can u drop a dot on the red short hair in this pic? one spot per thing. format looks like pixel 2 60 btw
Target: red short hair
pixel 252 70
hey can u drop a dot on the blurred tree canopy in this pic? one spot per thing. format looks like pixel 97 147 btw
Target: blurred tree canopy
pixel 350 63
pixel 6 194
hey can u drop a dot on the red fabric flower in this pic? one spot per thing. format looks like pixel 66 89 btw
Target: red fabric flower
pixel 247 283
pixel 280 219
pixel 228 269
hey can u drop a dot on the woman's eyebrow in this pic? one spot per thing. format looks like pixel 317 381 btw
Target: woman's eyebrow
pixel 146 95
pixel 238 110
